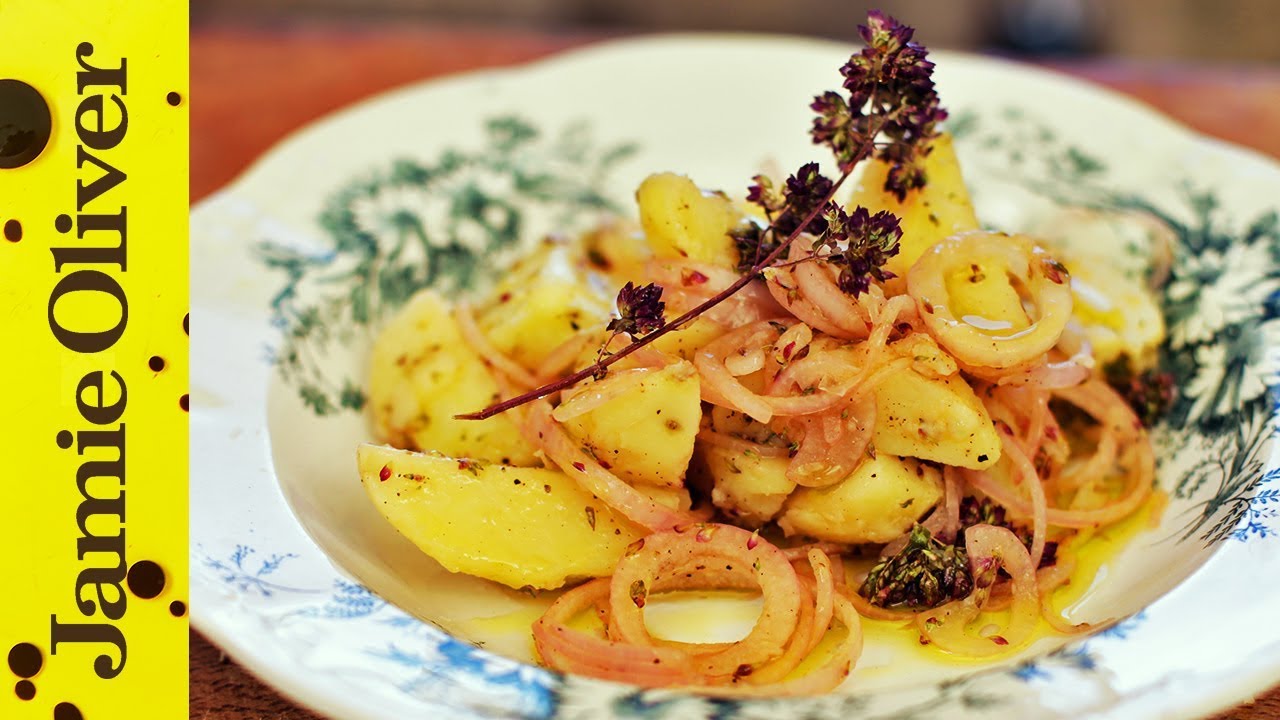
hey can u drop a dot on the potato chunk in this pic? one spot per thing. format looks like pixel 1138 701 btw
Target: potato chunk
pixel 672 497
pixel 645 432
pixel 940 209
pixel 522 527
pixel 423 374
pixel 939 419
pixel 681 221
pixel 1112 298
pixel 926 357
pixel 879 501
pixel 1120 317
pixel 618 249
pixel 543 302
pixel 689 339
pixel 746 486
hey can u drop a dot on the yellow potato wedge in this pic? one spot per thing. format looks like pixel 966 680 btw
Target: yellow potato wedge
pixel 939 419
pixel 645 432
pixel 940 209
pixel 422 374
pixel 522 527
pixel 681 221
pixel 878 502
pixel 747 487
pixel 542 303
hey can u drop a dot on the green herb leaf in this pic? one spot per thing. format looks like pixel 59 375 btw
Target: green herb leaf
pixel 924 574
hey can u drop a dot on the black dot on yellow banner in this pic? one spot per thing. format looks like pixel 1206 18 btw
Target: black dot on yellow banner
pixel 12 230
pixel 25 123
pixel 174 99
pixel 62 223
pixel 186 323
pixel 64 439
pixel 25 660
pixel 145 579
pixel 185 403
pixel 66 711
pixel 156 363
pixel 177 608
pixel 25 689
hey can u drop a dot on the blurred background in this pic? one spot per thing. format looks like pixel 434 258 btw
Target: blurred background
pixel 1191 30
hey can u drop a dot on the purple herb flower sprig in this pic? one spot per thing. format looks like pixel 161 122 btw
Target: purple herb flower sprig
pixel 639 310
pixel 890 113
pixel 891 95
pixel 860 245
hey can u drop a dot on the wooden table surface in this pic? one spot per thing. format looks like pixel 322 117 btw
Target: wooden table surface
pixel 251 88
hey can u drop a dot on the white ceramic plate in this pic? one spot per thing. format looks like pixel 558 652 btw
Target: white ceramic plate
pixel 295 264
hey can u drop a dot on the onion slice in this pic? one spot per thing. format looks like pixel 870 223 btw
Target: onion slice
pixel 1045 278
pixel 820 680
pixel 720 387
pixel 569 650
pixel 1100 401
pixel 592 394
pixel 1030 479
pixel 645 569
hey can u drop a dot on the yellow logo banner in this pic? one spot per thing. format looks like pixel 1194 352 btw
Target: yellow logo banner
pixel 93 321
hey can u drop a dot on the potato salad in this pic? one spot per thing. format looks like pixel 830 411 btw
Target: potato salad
pixel 844 396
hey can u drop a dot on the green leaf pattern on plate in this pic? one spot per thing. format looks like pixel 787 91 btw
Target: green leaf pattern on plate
pixel 452 224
